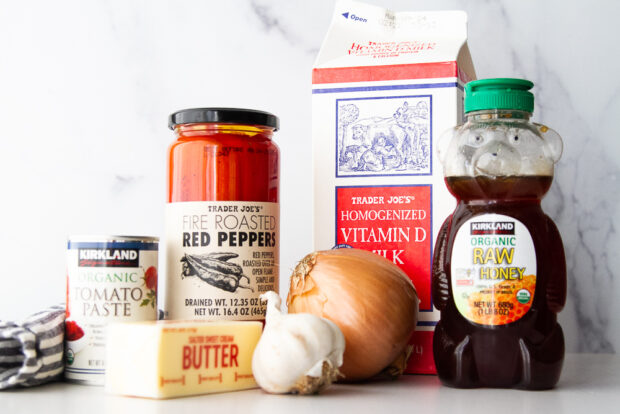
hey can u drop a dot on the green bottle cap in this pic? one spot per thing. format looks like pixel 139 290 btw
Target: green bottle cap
pixel 499 93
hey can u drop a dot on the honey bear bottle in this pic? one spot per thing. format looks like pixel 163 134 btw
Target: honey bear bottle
pixel 499 272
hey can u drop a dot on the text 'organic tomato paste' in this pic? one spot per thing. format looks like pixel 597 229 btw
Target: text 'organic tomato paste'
pixel 109 279
pixel 222 215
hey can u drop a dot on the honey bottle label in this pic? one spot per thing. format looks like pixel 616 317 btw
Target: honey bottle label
pixel 220 257
pixel 493 269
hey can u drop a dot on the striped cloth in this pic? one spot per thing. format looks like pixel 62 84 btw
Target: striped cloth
pixel 31 351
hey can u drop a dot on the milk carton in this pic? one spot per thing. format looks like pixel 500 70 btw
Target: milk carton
pixel 385 85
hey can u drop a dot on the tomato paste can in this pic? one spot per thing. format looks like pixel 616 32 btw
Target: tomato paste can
pixel 222 215
pixel 109 279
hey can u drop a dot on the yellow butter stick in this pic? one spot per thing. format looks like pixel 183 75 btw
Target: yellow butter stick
pixel 168 359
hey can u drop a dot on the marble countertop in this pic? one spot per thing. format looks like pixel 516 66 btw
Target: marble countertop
pixel 588 382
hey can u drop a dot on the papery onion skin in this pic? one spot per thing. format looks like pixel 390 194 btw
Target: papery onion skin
pixel 373 302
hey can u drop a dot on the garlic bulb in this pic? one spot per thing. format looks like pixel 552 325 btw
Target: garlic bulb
pixel 297 353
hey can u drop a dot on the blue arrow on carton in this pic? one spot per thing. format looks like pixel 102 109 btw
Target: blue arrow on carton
pixel 346 15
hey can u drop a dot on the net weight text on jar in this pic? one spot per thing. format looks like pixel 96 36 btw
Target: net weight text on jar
pixel 229 307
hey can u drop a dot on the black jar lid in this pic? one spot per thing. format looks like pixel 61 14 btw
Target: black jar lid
pixel 223 116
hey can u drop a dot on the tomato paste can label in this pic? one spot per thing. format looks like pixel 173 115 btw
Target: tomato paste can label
pixel 493 269
pixel 220 257
pixel 109 279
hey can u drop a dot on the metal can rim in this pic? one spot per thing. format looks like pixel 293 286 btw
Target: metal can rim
pixel 94 238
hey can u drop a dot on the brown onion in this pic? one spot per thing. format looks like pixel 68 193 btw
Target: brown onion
pixel 371 300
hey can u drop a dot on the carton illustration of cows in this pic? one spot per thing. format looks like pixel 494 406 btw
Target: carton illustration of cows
pixel 396 143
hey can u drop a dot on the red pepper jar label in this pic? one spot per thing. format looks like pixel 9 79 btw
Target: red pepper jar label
pixel 221 256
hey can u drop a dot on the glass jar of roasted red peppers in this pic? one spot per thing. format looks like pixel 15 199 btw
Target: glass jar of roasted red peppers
pixel 222 215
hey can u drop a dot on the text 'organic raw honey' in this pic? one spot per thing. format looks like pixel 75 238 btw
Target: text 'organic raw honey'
pixel 499 273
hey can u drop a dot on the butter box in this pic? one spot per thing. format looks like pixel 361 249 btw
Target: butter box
pixel 168 359
pixel 384 86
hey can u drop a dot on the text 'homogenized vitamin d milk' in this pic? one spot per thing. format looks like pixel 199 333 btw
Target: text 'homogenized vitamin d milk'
pixel 384 85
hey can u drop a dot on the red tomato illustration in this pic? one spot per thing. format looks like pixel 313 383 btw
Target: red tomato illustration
pixel 73 331
pixel 150 278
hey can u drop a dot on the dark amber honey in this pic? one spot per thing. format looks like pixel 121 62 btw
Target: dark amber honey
pixel 529 352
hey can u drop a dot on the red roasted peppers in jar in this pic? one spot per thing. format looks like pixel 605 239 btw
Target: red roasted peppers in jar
pixel 222 214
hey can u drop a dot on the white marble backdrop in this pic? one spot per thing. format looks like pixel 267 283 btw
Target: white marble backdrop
pixel 86 88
